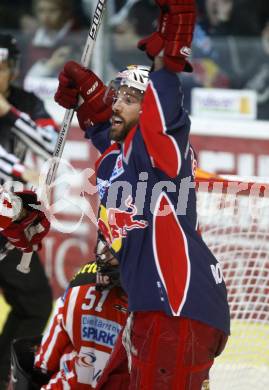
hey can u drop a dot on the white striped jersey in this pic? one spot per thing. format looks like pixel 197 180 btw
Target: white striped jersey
pixel 27 126
pixel 10 165
pixel 81 336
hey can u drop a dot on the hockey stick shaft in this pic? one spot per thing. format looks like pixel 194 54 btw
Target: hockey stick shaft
pixel 58 151
pixel 85 61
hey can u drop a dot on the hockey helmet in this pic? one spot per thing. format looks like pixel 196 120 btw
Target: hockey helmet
pixel 107 265
pixel 8 49
pixel 135 77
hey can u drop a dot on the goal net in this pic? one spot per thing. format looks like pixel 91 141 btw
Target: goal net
pixel 234 221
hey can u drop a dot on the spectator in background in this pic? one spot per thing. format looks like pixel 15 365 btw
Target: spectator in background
pixel 226 32
pixel 244 71
pixel 263 12
pixel 229 17
pixel 259 78
pixel 143 16
pixel 206 56
pixel 129 20
pixel 54 40
pixel 11 13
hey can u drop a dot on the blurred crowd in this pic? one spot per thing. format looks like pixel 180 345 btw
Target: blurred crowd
pixel 47 31
pixel 230 47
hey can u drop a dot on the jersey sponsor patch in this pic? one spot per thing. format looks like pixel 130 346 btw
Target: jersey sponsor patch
pixel 103 185
pixel 99 330
pixel 118 168
pixel 89 365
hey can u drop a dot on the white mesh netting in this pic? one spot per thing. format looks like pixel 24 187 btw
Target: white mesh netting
pixel 235 225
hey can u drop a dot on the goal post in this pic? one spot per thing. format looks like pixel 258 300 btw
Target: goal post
pixel 234 222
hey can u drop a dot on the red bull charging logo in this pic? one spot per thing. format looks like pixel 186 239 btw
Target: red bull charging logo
pixel 115 223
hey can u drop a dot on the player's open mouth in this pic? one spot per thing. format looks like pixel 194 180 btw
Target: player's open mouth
pixel 116 121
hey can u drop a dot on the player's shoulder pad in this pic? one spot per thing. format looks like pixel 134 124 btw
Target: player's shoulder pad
pixel 86 275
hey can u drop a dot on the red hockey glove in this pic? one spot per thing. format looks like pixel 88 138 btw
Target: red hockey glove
pixel 66 94
pixel 174 36
pixel 27 233
pixel 76 80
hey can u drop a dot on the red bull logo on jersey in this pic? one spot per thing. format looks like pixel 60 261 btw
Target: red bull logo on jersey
pixel 115 223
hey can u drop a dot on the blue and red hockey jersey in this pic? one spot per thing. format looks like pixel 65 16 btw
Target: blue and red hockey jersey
pixel 148 211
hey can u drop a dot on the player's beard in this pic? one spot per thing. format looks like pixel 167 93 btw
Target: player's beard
pixel 118 133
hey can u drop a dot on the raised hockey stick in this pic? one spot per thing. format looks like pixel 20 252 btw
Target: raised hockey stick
pixel 58 151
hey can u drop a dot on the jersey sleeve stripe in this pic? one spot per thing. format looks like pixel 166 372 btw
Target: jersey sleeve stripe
pixel 113 149
pixel 173 245
pixel 159 143
pixel 69 317
pixel 48 335
pixel 48 353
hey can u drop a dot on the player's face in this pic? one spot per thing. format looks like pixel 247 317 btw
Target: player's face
pixel 49 14
pixel 126 109
pixel 212 11
pixel 5 77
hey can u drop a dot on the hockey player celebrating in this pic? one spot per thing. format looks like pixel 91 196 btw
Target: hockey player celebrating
pixel 25 125
pixel 179 318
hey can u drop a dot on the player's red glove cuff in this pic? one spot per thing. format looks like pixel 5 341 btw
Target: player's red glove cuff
pixel 152 45
pixel 92 112
pixel 176 6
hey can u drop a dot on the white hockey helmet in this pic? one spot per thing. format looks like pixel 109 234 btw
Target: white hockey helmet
pixel 135 76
